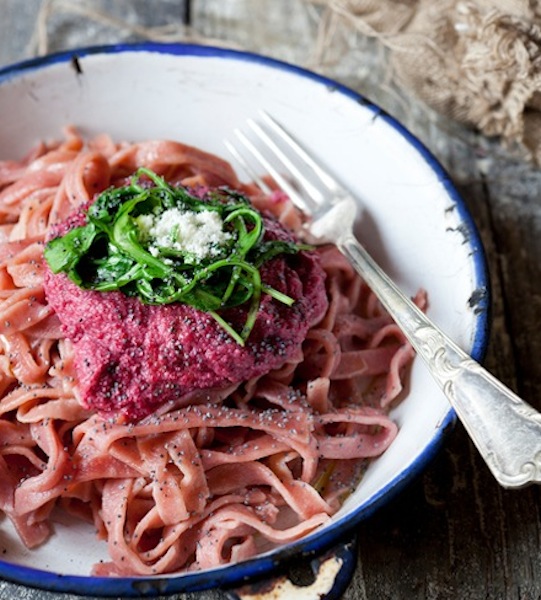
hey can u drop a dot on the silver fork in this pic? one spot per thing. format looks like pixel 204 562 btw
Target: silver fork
pixel 505 429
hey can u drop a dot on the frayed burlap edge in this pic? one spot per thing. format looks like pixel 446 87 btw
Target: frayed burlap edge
pixel 476 61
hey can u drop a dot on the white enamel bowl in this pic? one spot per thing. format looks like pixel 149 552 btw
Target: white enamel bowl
pixel 415 225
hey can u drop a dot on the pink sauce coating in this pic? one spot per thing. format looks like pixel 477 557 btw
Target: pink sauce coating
pixel 132 359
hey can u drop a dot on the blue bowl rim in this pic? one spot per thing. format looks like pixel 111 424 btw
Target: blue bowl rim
pixel 318 542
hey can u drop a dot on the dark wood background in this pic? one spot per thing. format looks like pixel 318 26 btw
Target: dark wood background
pixel 453 533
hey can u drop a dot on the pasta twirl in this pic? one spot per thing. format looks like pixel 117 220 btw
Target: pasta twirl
pixel 253 466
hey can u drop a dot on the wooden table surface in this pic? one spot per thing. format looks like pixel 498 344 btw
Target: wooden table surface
pixel 453 533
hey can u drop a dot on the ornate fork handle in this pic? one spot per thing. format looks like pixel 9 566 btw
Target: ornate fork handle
pixel 505 430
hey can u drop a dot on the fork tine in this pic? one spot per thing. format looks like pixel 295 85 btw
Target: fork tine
pixel 252 173
pixel 325 177
pixel 314 194
pixel 293 194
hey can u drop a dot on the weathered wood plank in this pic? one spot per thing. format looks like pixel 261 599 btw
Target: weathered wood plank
pixel 16 29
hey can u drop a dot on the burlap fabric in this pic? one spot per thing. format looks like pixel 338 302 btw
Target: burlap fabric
pixel 476 61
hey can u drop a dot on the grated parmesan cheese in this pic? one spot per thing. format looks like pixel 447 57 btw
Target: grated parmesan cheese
pixel 199 234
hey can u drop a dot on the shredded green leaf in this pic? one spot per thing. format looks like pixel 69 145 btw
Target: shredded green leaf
pixel 116 251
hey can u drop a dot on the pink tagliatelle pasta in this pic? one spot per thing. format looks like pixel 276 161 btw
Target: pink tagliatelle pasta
pixel 196 486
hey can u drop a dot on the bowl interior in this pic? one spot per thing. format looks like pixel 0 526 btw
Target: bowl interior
pixel 413 222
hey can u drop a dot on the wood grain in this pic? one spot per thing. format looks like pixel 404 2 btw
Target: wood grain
pixel 453 533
